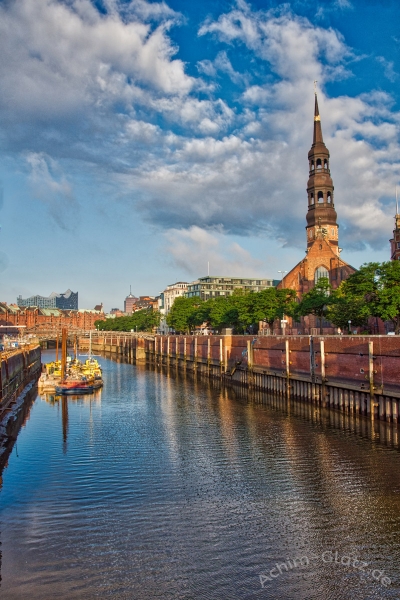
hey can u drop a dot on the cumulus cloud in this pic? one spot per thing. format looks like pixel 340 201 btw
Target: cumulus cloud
pixel 50 185
pixel 193 249
pixel 59 58
pixel 107 91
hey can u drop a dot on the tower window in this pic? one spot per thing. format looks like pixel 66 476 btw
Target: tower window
pixel 329 197
pixel 321 272
pixel 319 163
pixel 320 197
pixel 325 163
pixel 311 198
pixel 312 165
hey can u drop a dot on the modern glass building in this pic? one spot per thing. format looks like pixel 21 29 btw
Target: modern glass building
pixel 66 301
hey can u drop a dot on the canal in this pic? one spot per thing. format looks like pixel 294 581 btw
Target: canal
pixel 164 487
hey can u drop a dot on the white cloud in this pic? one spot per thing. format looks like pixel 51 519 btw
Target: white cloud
pixel 58 58
pixel 192 249
pixel 50 185
pixel 108 91
pixel 388 68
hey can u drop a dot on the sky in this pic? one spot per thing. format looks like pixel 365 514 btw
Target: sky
pixel 140 141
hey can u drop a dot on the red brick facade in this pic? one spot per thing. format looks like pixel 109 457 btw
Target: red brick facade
pixel 36 319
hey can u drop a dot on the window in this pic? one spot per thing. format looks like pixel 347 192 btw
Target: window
pixel 312 165
pixel 319 163
pixel 329 197
pixel 312 198
pixel 333 232
pixel 320 197
pixel 325 163
pixel 321 272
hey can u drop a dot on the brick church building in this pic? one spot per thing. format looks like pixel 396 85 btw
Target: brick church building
pixel 322 257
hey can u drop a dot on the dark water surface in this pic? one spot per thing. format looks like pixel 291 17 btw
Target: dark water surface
pixel 161 487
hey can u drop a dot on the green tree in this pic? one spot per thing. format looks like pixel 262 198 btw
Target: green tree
pixel 142 320
pixel 317 300
pixel 184 314
pixel 348 308
pixel 387 301
pixel 272 304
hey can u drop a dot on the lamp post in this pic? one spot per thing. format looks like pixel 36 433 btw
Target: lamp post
pixel 283 320
pixel 349 322
pixel 283 276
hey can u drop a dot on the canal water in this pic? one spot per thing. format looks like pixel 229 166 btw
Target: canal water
pixel 163 487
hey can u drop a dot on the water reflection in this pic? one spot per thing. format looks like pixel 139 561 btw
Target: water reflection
pixel 171 487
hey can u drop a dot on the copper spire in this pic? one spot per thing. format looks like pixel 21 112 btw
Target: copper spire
pixel 317 139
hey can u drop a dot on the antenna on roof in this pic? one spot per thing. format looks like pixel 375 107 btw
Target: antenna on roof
pixel 130 289
pixel 208 268
pixel 397 203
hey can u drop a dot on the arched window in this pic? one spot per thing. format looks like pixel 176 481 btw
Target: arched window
pixel 312 198
pixel 329 197
pixel 312 165
pixel 321 272
pixel 320 197
pixel 325 163
pixel 319 163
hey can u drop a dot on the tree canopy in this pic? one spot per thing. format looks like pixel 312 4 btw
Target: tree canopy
pixel 142 320
pixel 241 310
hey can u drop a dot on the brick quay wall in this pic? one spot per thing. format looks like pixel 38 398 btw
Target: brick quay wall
pixel 359 374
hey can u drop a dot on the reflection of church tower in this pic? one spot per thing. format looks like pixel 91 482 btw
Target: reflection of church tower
pixel 321 216
pixel 323 253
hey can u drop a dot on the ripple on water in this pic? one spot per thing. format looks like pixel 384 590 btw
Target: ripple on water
pixel 167 488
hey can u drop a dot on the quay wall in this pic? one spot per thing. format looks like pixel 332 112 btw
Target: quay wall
pixel 17 369
pixel 350 373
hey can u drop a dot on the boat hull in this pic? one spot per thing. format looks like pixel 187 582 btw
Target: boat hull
pixel 79 389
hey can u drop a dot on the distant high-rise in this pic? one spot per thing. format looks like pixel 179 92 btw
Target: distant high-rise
pixel 66 301
pixel 130 301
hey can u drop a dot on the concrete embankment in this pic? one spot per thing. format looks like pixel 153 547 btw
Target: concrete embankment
pixel 357 374
pixel 19 372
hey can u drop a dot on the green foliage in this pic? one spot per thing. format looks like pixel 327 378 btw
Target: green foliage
pixel 240 310
pixel 372 291
pixel 317 300
pixel 141 320
pixel 185 314
pixel 387 301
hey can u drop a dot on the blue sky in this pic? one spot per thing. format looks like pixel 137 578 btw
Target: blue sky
pixel 141 140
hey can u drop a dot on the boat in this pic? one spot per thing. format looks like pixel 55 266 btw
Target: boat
pixel 75 386
pixel 71 376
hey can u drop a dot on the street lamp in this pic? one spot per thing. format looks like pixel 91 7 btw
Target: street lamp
pixel 283 320
pixel 283 276
pixel 349 322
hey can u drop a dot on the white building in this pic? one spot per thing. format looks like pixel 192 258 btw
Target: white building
pixel 169 295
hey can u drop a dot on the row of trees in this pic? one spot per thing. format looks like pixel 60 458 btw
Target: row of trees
pixel 142 320
pixel 372 291
pixel 240 311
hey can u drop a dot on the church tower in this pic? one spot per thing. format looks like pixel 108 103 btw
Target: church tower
pixel 322 257
pixel 395 241
pixel 321 216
